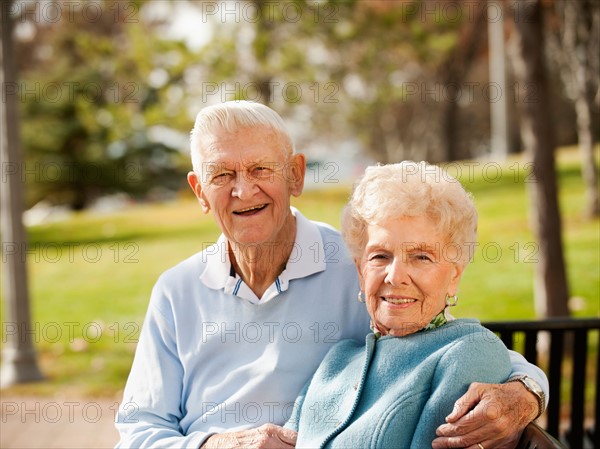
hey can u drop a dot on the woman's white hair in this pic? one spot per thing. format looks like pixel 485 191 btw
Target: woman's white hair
pixel 231 116
pixel 410 189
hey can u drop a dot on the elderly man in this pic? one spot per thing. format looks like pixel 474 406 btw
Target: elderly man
pixel 233 333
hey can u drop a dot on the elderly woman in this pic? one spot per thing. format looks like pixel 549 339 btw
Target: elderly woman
pixel 409 227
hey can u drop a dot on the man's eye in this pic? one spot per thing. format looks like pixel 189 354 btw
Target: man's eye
pixel 423 257
pixel 261 172
pixel 379 257
pixel 221 178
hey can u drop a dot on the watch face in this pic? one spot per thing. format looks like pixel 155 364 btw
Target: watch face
pixel 533 385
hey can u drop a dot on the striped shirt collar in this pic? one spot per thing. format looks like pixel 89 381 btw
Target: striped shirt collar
pixel 307 257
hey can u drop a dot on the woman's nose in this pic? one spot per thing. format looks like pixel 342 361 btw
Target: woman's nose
pixel 398 272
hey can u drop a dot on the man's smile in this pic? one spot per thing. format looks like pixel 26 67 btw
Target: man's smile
pixel 250 210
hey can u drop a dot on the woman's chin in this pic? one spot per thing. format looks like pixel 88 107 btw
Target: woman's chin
pixel 400 329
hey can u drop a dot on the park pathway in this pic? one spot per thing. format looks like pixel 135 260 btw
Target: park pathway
pixel 31 422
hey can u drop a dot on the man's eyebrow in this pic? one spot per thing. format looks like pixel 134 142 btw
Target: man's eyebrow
pixel 216 167
pixel 262 161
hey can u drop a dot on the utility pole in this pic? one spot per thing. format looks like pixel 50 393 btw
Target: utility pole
pixel 19 362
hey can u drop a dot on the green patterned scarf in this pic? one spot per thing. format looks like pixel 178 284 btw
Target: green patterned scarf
pixel 439 320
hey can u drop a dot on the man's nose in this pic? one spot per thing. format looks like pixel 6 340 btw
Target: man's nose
pixel 244 187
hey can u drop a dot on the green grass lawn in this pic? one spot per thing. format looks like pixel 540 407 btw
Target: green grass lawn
pixel 91 275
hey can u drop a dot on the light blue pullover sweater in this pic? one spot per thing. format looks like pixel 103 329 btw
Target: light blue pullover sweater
pixel 395 392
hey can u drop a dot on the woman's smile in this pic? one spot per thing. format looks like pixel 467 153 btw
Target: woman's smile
pixel 398 301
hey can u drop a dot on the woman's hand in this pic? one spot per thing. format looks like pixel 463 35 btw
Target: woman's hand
pixel 267 436
pixel 489 416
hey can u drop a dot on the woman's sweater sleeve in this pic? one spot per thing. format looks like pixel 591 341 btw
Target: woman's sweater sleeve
pixel 477 357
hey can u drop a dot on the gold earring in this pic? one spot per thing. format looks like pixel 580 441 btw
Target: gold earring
pixel 451 301
pixel 361 296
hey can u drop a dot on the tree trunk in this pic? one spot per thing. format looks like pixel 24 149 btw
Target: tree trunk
pixel 537 132
pixel 19 360
pixel 583 109
pixel 576 46
pixel 453 73
pixel 263 46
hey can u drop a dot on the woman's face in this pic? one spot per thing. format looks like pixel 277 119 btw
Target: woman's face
pixel 406 271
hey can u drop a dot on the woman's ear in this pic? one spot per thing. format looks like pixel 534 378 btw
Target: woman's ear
pixel 196 186
pixel 361 280
pixel 457 272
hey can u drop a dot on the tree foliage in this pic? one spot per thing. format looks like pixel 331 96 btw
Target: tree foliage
pixel 91 91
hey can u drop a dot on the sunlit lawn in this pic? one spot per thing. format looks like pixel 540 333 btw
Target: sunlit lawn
pixel 91 275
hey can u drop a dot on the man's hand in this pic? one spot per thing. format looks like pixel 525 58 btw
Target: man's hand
pixel 490 415
pixel 267 436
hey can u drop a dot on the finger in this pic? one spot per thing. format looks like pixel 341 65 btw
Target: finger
pixel 487 444
pixel 468 423
pixel 287 436
pixel 442 443
pixel 468 440
pixel 448 442
pixel 494 430
pixel 493 444
pixel 465 403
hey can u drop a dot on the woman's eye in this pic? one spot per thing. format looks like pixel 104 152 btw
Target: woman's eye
pixel 378 257
pixel 423 257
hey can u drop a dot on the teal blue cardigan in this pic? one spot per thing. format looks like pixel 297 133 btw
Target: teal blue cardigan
pixel 395 392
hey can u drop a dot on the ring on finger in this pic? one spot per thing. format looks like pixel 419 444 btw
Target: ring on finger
pixel 480 446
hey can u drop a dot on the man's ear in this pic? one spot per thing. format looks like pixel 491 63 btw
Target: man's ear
pixel 296 172
pixel 196 186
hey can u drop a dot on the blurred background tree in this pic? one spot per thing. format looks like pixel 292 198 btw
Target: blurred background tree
pixel 94 87
pixel 537 130
pixel 574 46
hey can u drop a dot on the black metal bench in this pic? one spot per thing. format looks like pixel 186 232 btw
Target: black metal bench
pixel 534 437
pixel 581 431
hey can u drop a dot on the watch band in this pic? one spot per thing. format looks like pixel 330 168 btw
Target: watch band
pixel 527 382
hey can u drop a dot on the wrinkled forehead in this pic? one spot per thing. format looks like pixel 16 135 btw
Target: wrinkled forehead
pixel 249 141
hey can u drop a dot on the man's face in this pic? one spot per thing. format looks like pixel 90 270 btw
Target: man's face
pixel 247 179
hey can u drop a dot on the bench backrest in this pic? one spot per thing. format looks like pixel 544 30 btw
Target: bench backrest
pixel 582 373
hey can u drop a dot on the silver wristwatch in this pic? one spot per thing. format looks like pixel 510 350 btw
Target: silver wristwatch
pixel 534 388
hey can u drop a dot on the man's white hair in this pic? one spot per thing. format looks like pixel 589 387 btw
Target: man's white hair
pixel 230 116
